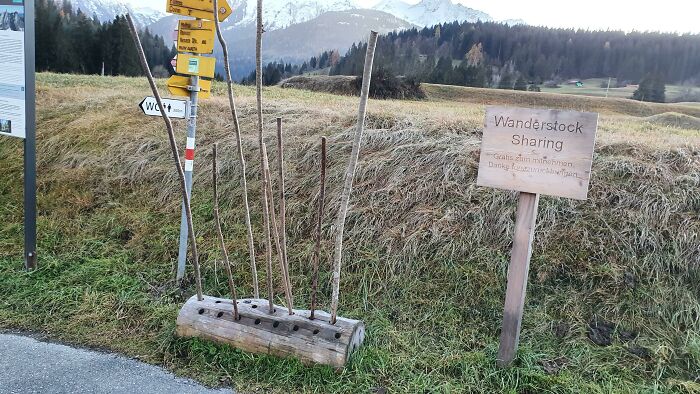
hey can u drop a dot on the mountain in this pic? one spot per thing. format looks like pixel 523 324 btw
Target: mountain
pixel 298 42
pixel 432 12
pixel 277 14
pixel 106 10
pixel 13 21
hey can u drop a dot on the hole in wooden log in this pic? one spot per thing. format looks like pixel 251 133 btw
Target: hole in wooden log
pixel 254 306
pixel 337 335
pixel 219 314
pixel 218 302
pixel 201 311
pixel 316 331
pixel 295 328
pixel 276 324
pixel 257 321
pixel 247 301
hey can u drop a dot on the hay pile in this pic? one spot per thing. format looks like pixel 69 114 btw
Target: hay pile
pixel 336 84
pixel 674 119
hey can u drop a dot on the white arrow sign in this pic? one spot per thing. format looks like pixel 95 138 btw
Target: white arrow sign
pixel 178 109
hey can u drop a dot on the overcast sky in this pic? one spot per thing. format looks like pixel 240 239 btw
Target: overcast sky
pixel 665 15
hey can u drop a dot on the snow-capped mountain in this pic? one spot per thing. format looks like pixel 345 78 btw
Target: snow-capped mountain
pixel 279 14
pixel 432 12
pixel 106 10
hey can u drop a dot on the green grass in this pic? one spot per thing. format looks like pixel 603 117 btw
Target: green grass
pixel 592 87
pixel 426 251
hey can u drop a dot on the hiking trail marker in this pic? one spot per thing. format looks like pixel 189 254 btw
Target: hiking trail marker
pixel 195 37
pixel 18 104
pixel 533 151
pixel 177 109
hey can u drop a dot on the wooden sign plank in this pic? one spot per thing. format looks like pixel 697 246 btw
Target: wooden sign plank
pixel 538 151
pixel 517 276
pixel 195 41
pixel 202 9
pixel 177 85
pixel 195 65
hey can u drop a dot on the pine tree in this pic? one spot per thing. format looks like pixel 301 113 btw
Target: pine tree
pixel 651 88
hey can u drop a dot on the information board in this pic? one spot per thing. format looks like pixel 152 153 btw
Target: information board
pixel 13 78
pixel 538 151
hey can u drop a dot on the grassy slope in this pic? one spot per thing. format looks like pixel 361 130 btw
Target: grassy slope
pixel 427 250
pixel 592 87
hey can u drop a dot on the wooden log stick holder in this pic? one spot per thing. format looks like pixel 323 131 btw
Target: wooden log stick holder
pixel 280 334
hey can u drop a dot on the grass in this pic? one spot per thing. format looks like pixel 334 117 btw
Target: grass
pixel 592 87
pixel 426 249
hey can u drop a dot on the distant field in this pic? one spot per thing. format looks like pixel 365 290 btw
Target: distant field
pixel 592 87
pixel 426 249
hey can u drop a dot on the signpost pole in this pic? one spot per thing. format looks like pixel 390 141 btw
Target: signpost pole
pixel 189 164
pixel 526 217
pixel 29 142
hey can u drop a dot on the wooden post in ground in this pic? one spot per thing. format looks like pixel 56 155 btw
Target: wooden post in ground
pixel 517 277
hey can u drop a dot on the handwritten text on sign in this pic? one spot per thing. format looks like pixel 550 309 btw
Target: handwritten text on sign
pixel 538 151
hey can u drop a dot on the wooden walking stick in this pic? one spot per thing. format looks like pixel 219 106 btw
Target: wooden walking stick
pixel 283 201
pixel 319 223
pixel 241 159
pixel 350 173
pixel 176 154
pixel 217 222
pixel 275 232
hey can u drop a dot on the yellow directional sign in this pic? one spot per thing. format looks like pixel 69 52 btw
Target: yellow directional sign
pixel 177 85
pixel 195 24
pixel 195 65
pixel 196 41
pixel 203 9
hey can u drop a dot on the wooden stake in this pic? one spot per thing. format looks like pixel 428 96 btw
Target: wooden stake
pixel 271 201
pixel 350 173
pixel 175 152
pixel 319 224
pixel 217 222
pixel 241 159
pixel 283 202
pixel 517 276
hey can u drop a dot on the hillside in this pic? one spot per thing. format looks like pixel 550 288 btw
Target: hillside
pixel 427 249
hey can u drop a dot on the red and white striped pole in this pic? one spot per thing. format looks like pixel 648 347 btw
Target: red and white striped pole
pixel 189 166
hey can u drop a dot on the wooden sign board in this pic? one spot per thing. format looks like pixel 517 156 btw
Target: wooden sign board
pixel 195 65
pixel 534 151
pixel 178 86
pixel 538 151
pixel 202 9
pixel 195 41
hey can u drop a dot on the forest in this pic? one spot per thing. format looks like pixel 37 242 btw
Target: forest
pixel 70 41
pixel 497 55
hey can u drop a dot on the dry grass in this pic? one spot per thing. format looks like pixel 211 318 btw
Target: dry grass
pixel 427 249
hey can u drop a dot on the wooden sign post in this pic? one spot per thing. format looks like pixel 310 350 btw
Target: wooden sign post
pixel 535 152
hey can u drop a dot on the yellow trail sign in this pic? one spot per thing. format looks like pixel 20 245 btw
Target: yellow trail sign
pixel 196 24
pixel 177 85
pixel 195 65
pixel 203 9
pixel 196 41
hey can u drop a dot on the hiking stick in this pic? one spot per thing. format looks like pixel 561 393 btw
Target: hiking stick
pixel 241 159
pixel 350 174
pixel 217 222
pixel 176 154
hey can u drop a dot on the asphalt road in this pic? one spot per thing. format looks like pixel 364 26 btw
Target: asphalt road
pixel 30 366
